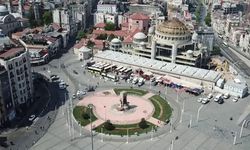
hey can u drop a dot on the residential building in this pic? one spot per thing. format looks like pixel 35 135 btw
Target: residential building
pixel 7 111
pixel 15 60
pixel 8 23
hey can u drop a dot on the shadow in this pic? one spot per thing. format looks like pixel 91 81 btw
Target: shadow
pixel 245 135
pixel 132 106
pixel 43 103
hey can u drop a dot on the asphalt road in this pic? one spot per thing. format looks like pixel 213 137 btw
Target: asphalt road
pixel 235 61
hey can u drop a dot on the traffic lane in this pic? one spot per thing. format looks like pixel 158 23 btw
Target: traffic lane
pixel 234 59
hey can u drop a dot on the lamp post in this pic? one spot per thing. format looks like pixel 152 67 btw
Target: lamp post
pixel 235 137
pixel 91 132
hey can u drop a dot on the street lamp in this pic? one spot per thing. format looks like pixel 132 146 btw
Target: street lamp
pixel 91 132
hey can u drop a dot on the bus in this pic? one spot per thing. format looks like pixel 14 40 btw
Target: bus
pixel 94 69
pixel 112 77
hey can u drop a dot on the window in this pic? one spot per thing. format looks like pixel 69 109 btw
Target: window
pixel 137 21
pixel 16 63
pixel 18 78
pixel 20 86
pixel 10 66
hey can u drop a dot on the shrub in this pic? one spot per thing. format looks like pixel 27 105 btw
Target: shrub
pixel 108 125
pixel 143 124
pixel 85 116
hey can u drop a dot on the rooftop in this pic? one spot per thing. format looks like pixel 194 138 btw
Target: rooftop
pixel 10 53
pixel 164 67
pixel 139 16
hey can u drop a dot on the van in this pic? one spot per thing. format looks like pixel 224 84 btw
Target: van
pixel 218 97
pixel 140 82
pixel 135 80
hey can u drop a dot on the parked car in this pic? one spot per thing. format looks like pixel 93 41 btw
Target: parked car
pixel 152 79
pixel 210 95
pixel 226 95
pixel 154 83
pixel 218 97
pixel 235 99
pixel 205 101
pixel 135 80
pixel 32 117
pixel 220 101
pixel 199 100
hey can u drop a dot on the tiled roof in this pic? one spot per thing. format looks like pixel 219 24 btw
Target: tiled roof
pixel 100 25
pixel 11 52
pixel 139 16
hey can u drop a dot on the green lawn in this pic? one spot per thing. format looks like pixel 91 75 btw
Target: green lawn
pixel 130 91
pixel 78 114
pixel 133 129
pixel 163 110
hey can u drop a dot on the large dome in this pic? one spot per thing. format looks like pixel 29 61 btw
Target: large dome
pixel 140 36
pixel 3 9
pixel 173 27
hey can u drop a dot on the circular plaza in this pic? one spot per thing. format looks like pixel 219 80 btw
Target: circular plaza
pixel 115 111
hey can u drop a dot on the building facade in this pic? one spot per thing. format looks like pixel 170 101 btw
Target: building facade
pixel 16 62
pixel 7 111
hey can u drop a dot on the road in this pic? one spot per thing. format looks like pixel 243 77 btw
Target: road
pixel 234 60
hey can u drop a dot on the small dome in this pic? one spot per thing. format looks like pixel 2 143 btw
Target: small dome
pixel 151 30
pixel 190 52
pixel 115 41
pixel 142 43
pixel 140 36
pixel 3 9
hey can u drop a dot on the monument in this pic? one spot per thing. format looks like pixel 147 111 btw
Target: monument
pixel 124 104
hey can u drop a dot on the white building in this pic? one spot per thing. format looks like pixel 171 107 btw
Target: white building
pixel 8 23
pixel 107 8
pixel 16 62
pixel 104 17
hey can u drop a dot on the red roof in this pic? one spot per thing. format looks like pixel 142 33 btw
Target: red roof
pixel 80 44
pixel 119 33
pixel 100 25
pixel 139 16
pixel 11 52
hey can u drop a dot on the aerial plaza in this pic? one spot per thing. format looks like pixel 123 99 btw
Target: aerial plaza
pixel 123 111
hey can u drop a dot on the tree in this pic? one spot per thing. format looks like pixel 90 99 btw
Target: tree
pixel 208 19
pixel 47 17
pixel 108 125
pixel 197 13
pixel 109 26
pixel 81 34
pixel 102 37
pixel 143 124
pixel 85 116
pixel 31 17
pixel 111 37
pixel 90 44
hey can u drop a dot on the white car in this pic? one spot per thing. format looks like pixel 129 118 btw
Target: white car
pixel 235 99
pixel 226 96
pixel 209 96
pixel 32 117
pixel 205 101
pixel 199 100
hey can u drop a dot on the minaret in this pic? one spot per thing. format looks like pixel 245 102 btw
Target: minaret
pixel 20 8
pixel 9 5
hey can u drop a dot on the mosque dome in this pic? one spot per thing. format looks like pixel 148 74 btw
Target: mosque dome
pixel 173 27
pixel 140 36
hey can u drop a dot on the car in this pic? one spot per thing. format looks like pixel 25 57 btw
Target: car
pixel 32 117
pixel 74 96
pixel 218 97
pixel 199 100
pixel 154 83
pixel 210 95
pixel 235 99
pixel 152 79
pixel 220 101
pixel 205 101
pixel 226 95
